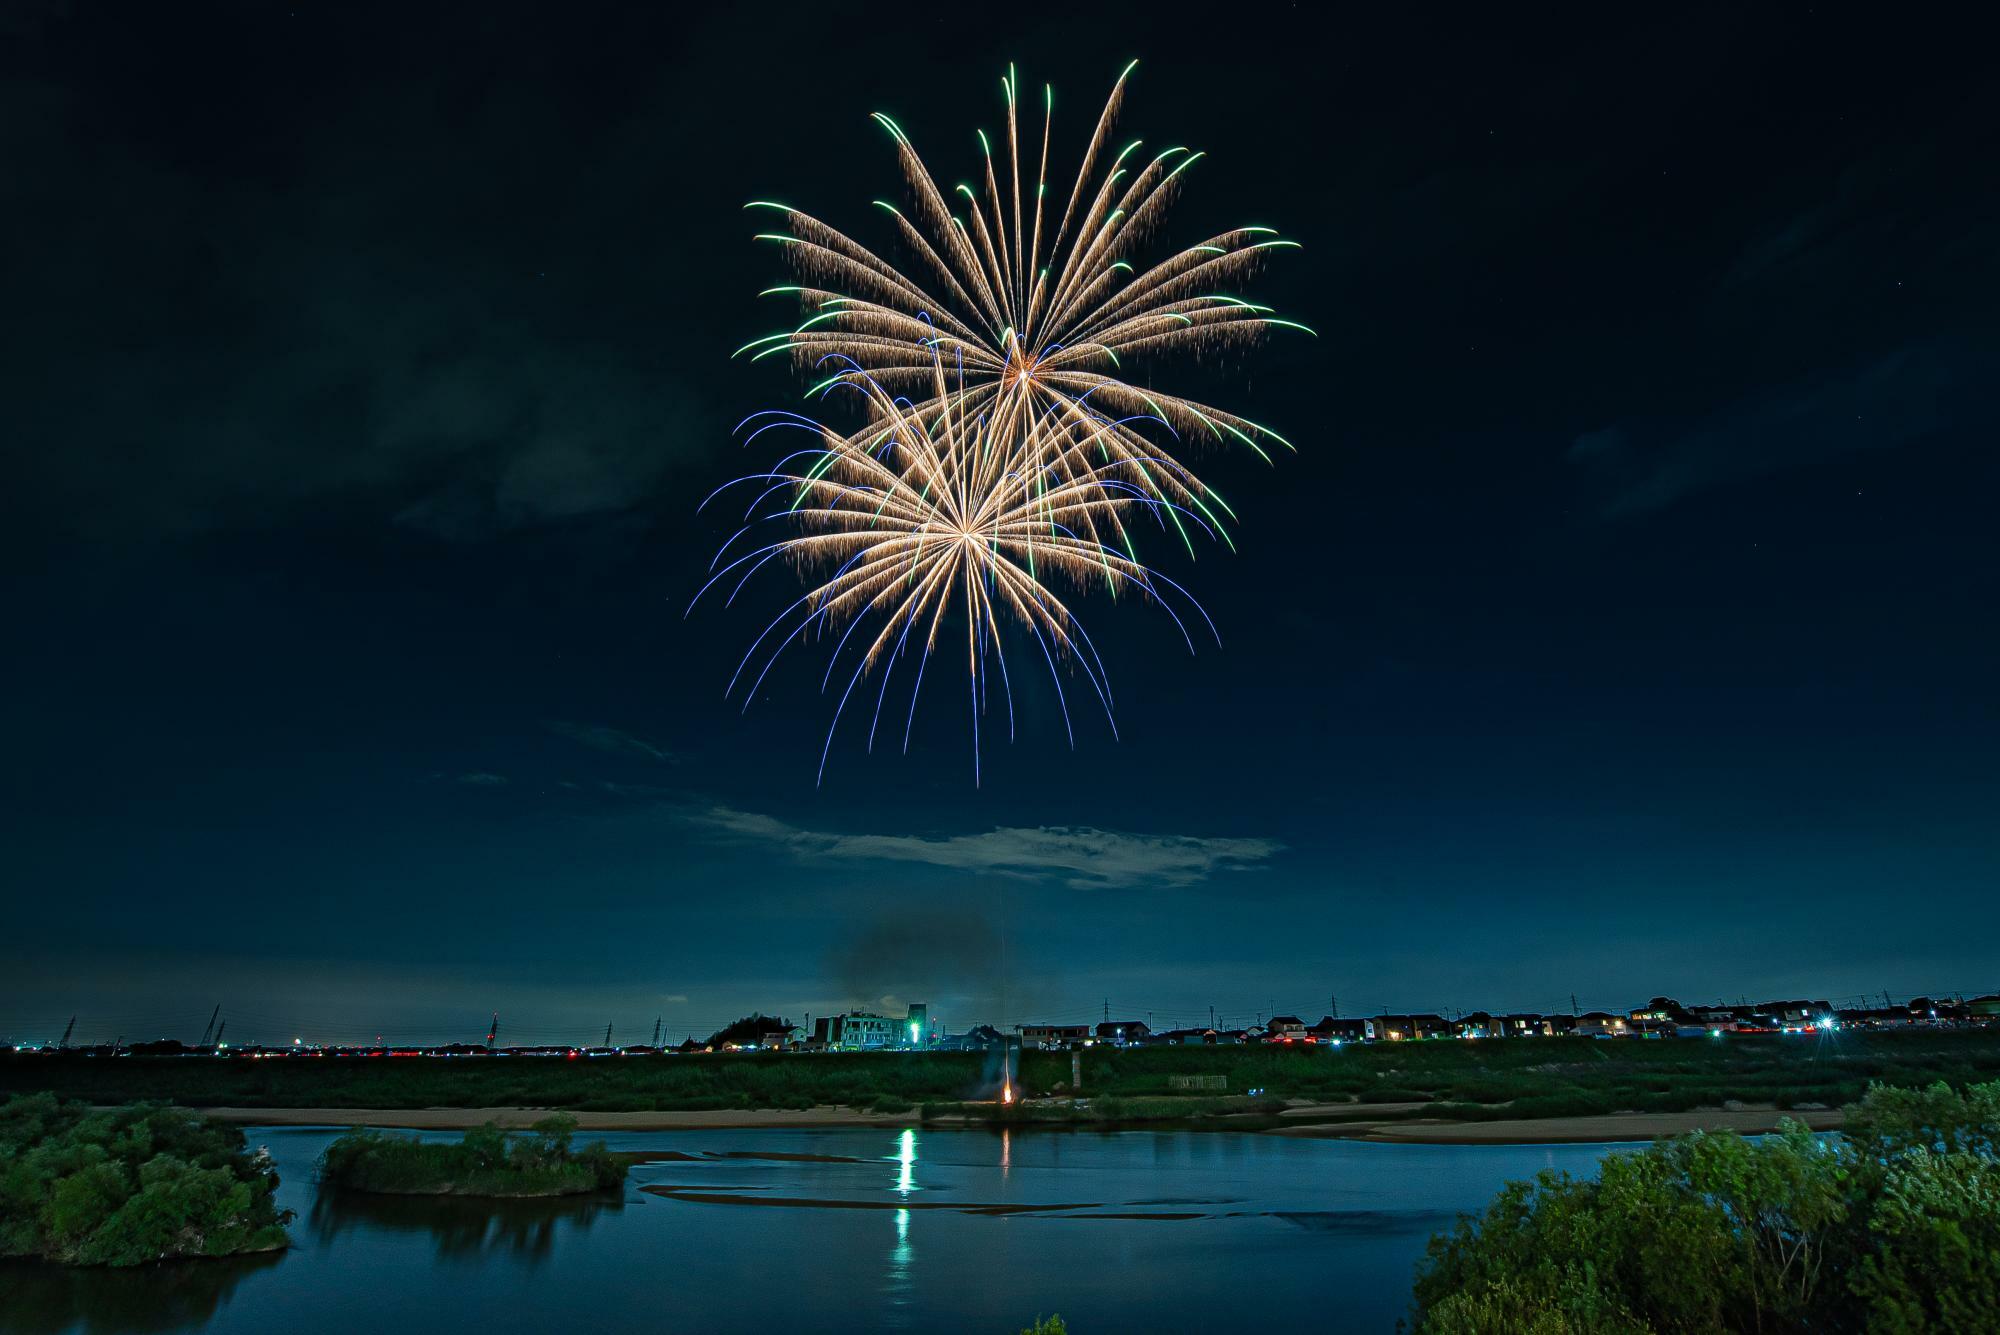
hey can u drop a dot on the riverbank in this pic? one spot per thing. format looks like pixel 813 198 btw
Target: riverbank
pixel 1480 1091
pixel 1601 1128
pixel 1336 1122
pixel 520 1119
pixel 1476 1080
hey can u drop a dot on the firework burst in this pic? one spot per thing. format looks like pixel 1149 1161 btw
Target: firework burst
pixel 934 512
pixel 1000 467
pixel 1039 310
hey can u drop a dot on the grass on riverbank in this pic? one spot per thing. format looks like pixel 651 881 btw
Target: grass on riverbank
pixel 127 1186
pixel 1472 1080
pixel 487 1162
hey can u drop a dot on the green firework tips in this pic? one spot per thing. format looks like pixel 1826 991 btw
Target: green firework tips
pixel 758 342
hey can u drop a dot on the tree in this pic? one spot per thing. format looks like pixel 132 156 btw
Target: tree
pixel 129 1185
pixel 1935 1262
pixel 756 1029
pixel 1893 1228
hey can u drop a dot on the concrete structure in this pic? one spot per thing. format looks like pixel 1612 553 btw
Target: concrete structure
pixel 865 1031
pixel 856 1031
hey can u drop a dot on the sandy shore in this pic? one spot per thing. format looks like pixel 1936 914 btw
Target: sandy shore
pixel 1612 1127
pixel 1609 1127
pixel 457 1119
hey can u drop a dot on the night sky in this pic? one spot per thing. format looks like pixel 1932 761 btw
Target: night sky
pixel 1624 625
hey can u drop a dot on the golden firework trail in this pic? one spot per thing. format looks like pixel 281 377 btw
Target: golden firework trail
pixel 1003 456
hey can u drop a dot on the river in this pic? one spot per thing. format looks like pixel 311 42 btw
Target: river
pixel 1137 1231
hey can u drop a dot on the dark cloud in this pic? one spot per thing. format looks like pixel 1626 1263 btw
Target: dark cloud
pixel 926 952
pixel 1889 402
pixel 1079 856
pixel 600 737
pixel 332 328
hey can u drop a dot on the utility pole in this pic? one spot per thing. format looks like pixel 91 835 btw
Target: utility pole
pixel 218 1035
pixel 210 1026
pixel 67 1032
pixel 607 1035
pixel 1334 1004
pixel 656 1029
pixel 1573 1012
pixel 492 1030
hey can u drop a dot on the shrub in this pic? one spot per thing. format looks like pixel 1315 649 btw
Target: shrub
pixel 487 1161
pixel 1935 1264
pixel 1893 1228
pixel 130 1185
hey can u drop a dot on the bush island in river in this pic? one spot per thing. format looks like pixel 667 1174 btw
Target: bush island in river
pixel 487 1162
pixel 129 1185
pixel 1894 1227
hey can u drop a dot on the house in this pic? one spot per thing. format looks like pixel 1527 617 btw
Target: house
pixel 1124 1032
pixel 1187 1037
pixel 1283 1027
pixel 1478 1024
pixel 1054 1035
pixel 1796 1014
pixel 1661 1011
pixel 1523 1024
pixel 1330 1030
pixel 1402 1028
pixel 1601 1024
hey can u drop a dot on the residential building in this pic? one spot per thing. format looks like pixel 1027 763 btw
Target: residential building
pixel 1477 1024
pixel 1601 1024
pixel 1402 1028
pixel 1330 1030
pixel 1124 1032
